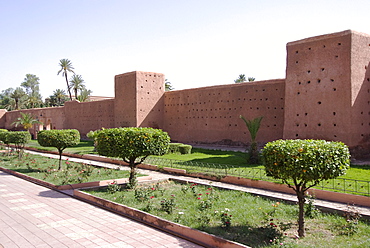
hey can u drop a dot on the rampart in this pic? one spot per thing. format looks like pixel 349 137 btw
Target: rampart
pixel 326 95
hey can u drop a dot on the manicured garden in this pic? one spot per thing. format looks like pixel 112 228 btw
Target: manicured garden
pixel 46 169
pixel 241 217
pixel 220 163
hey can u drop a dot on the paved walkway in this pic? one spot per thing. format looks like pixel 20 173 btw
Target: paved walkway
pixel 34 216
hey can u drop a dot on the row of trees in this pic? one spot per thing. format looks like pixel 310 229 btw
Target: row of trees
pixel 243 79
pixel 27 95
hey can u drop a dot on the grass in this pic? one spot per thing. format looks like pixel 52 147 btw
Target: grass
pixel 253 221
pixel 234 163
pixel 84 147
pixel 45 168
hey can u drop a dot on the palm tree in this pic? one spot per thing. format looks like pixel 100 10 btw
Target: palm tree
pixel 240 79
pixel 168 86
pixel 84 95
pixel 60 96
pixel 77 83
pixel 26 120
pixel 17 95
pixel 253 127
pixel 66 66
pixel 251 79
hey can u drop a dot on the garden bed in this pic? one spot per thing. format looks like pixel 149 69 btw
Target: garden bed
pixel 42 170
pixel 230 214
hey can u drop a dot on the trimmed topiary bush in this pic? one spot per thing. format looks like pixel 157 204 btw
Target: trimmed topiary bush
pixel 179 148
pixel 302 164
pixel 19 139
pixel 185 149
pixel 60 139
pixel 173 147
pixel 133 145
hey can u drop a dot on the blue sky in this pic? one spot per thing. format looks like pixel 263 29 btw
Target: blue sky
pixel 195 43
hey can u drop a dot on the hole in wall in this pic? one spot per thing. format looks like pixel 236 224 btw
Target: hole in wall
pixel 308 71
pixel 322 69
pixel 332 80
pixel 334 113
pixel 308 82
pixel 334 89
pixel 319 102
pixel 336 56
pixel 339 44
pixel 319 124
pixel 334 124
pixel 296 52
pixel 309 48
pixel 296 135
pixel 296 62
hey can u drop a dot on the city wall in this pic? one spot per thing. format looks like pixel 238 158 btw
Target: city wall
pixel 325 95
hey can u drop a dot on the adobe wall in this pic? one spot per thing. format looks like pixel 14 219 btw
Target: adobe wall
pixel 139 99
pixel 2 117
pixel 52 118
pixel 326 91
pixel 88 116
pixel 211 114
pixel 360 93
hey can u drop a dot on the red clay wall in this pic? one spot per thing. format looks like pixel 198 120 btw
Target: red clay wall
pixel 88 116
pixel 139 99
pixel 360 94
pixel 326 89
pixel 211 114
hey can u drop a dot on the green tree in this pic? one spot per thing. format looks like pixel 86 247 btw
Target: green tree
pixel 60 139
pixel 168 86
pixel 253 127
pixel 26 120
pixel 77 84
pixel 5 99
pixel 19 139
pixel 66 66
pixel 240 79
pixel 132 145
pixel 58 98
pixel 251 79
pixel 31 85
pixel 302 164
pixel 18 95
pixel 84 95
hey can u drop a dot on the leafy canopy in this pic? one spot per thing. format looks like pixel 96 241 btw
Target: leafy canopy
pixel 131 143
pixel 306 160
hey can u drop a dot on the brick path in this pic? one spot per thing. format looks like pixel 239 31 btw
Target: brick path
pixel 34 216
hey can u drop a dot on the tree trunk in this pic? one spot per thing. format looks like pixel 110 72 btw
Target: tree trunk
pixel 132 178
pixel 60 160
pixel 69 90
pixel 301 202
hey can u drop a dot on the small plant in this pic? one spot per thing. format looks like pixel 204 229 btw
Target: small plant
pixel 113 187
pixel 310 209
pixel 352 216
pixel 142 194
pixel 225 218
pixel 167 205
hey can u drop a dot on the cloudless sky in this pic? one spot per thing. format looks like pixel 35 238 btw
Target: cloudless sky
pixel 195 43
